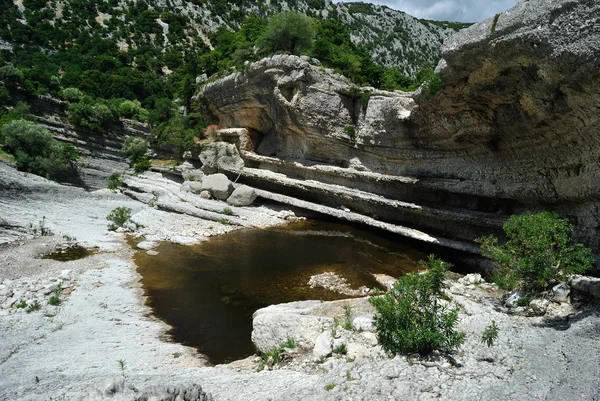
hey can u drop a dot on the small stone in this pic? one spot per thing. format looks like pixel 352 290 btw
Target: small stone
pixel 205 195
pixel 146 245
pixel 560 293
pixel 195 187
pixel 242 196
pixel 6 291
pixel 218 185
pixel 539 306
pixel 323 345
pixel 152 252
pixel 513 298
pixel 115 386
pixel 363 323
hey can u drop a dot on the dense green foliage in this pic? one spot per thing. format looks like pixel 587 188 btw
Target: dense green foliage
pixel 118 217
pixel 539 251
pixel 108 68
pixel 412 318
pixel 36 151
pixel 291 31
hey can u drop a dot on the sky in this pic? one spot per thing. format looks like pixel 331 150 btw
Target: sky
pixel 448 10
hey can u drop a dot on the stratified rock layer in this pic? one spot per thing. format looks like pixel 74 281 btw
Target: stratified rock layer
pixel 514 128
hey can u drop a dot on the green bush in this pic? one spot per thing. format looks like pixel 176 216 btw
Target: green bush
pixel 411 318
pixel 90 113
pixel 135 149
pixel 118 217
pixel 290 31
pixel 539 251
pixel 132 109
pixel 142 164
pixel 114 181
pixel 71 94
pixel 490 334
pixel 36 151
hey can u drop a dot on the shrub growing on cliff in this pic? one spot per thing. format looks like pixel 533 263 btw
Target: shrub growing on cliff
pixel 539 251
pixel 135 149
pixel 36 151
pixel 291 31
pixel 118 217
pixel 412 317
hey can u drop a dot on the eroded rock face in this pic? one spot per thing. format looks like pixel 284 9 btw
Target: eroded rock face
pixel 514 128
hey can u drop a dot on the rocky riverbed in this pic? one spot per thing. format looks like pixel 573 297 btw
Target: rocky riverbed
pixel 72 350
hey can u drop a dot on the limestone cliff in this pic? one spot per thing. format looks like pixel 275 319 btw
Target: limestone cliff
pixel 514 128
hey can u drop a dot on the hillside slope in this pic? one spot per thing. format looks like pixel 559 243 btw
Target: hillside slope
pixel 394 38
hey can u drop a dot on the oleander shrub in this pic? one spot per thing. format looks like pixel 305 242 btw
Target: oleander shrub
pixel 413 317
pixel 539 251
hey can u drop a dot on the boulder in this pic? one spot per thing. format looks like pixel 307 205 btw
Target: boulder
pixel 560 292
pixel 323 345
pixel 192 175
pixel 218 185
pixel 220 156
pixel 146 245
pixel 539 306
pixel 588 285
pixel 242 196
pixel 271 326
pixel 513 298
pixel 363 323
pixel 195 187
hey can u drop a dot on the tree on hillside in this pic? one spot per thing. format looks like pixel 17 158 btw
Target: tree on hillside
pixel 291 31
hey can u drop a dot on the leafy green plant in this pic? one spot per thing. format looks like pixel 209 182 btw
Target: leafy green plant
pixel 55 298
pixel 351 132
pixel 118 217
pixel 135 149
pixel 347 324
pixel 114 181
pixel 142 164
pixel 539 251
pixel 228 211
pixel 40 229
pixel 225 222
pixel 290 31
pixel 275 352
pixel 329 386
pixel 341 349
pixel 412 318
pixel 490 334
pixel 289 343
pixel 21 305
pixel 36 151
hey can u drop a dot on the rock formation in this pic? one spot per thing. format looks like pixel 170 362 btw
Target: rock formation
pixel 514 127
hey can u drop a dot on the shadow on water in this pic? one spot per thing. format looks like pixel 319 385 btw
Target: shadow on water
pixel 208 292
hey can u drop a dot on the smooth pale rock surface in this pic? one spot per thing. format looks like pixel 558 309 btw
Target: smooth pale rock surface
pixel 363 323
pixel 218 185
pixel 586 284
pixel 560 292
pixel 323 345
pixel 195 187
pixel 514 298
pixel 146 245
pixel 218 156
pixel 242 196
pixel 271 326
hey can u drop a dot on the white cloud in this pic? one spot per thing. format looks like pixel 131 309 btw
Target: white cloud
pixel 450 10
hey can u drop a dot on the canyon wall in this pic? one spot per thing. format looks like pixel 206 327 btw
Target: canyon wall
pixel 515 126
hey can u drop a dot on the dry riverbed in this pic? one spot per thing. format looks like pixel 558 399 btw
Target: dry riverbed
pixel 72 350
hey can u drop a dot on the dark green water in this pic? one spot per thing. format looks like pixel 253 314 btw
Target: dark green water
pixel 208 292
